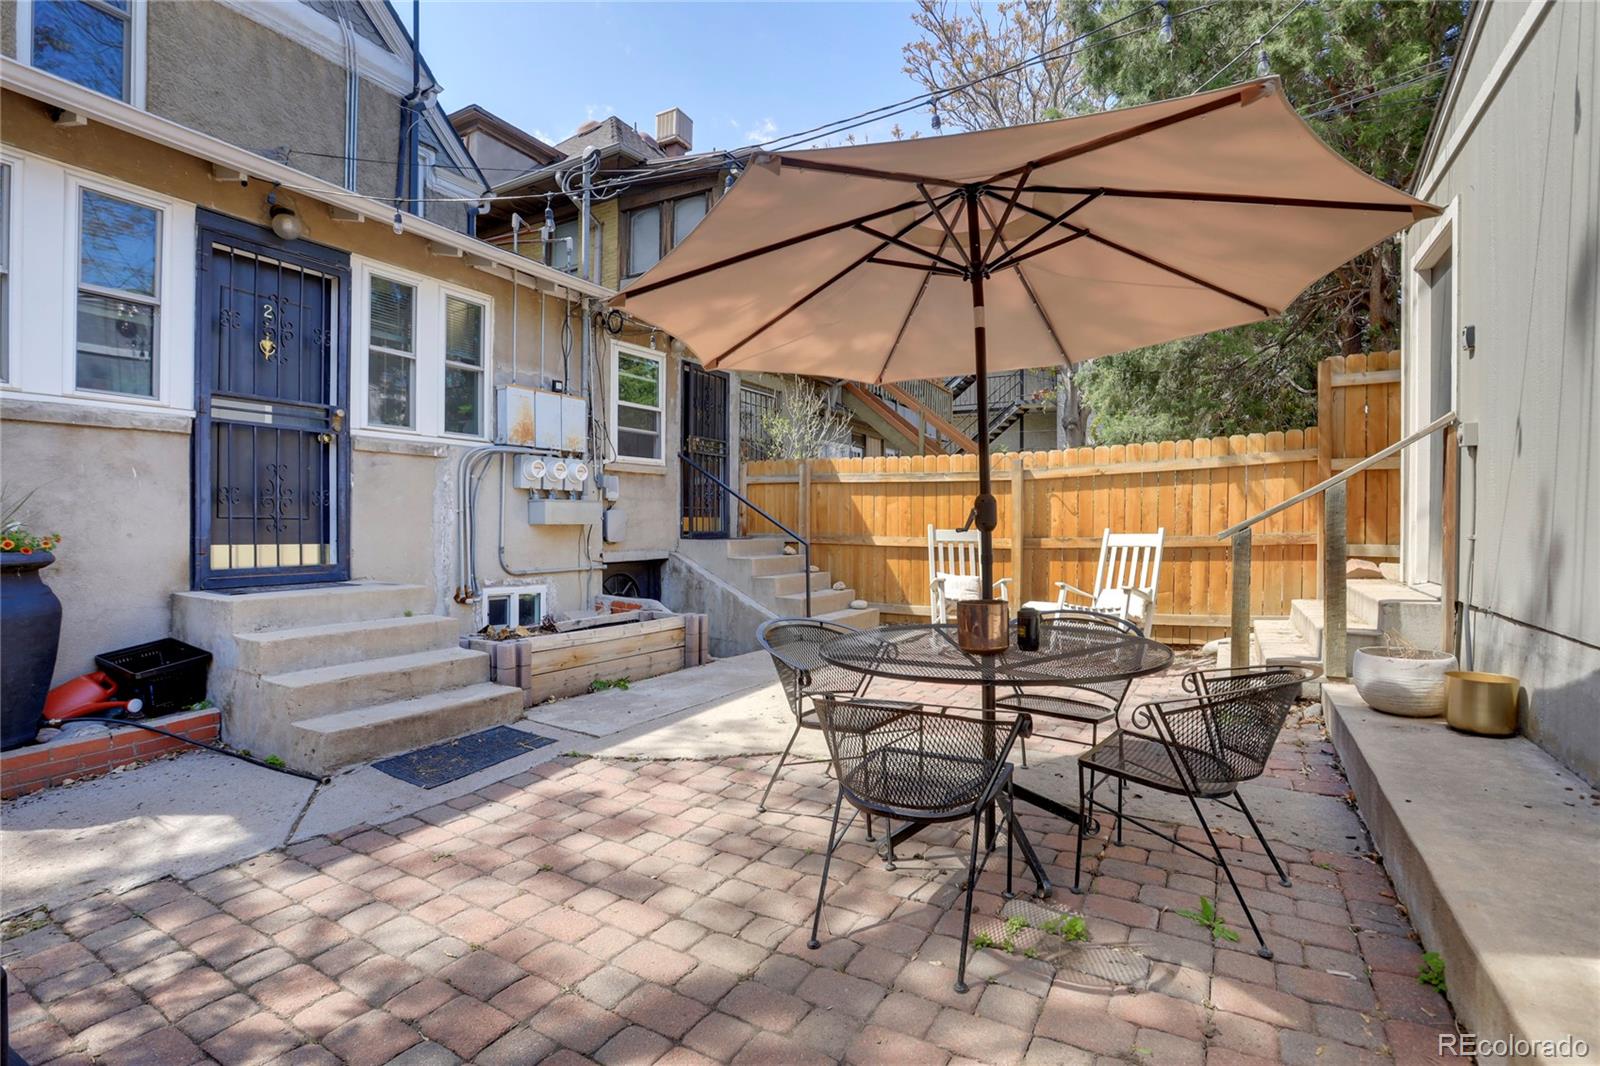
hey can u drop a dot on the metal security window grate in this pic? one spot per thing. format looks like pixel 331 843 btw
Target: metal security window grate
pixel 755 404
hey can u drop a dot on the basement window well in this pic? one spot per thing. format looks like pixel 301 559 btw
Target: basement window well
pixel 510 608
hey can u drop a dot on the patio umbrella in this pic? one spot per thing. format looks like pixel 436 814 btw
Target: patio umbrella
pixel 1051 243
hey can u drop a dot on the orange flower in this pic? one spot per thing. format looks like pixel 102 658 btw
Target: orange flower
pixel 26 550
pixel 7 544
pixel 47 544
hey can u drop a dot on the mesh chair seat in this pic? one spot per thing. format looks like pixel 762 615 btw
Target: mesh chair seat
pixel 903 779
pixel 1145 760
pixel 1073 708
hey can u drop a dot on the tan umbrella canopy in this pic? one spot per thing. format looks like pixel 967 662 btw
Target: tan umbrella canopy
pixel 1052 243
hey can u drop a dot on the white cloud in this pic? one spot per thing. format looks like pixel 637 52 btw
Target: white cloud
pixel 765 130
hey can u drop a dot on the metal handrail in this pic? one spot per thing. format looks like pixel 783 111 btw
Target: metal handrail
pixel 1344 475
pixel 805 545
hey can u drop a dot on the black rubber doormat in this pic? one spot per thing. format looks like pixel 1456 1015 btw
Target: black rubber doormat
pixel 440 764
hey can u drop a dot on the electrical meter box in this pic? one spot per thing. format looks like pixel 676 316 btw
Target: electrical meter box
pixel 545 511
pixel 540 418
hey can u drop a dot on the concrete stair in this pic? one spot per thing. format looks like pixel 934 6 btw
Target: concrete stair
pixel 740 583
pixel 328 677
pixel 1376 609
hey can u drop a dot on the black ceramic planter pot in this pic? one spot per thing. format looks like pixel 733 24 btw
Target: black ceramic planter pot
pixel 30 632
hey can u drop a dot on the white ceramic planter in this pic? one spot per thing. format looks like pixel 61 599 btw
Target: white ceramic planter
pixel 1411 687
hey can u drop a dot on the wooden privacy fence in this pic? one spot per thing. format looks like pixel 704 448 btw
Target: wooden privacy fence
pixel 867 519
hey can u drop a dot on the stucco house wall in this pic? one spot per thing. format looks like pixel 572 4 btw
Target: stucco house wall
pixel 1519 174
pixel 114 477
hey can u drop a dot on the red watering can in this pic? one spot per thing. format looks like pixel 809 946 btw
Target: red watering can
pixel 91 694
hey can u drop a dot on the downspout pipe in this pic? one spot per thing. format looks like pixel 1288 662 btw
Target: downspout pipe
pixel 414 142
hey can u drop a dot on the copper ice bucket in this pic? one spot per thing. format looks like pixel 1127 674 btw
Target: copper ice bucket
pixel 1485 704
pixel 983 626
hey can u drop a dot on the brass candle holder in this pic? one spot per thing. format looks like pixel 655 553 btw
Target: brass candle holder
pixel 983 626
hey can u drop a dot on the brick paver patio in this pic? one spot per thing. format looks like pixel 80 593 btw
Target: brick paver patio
pixel 643 911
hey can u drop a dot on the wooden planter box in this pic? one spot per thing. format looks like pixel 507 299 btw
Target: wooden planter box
pixel 552 665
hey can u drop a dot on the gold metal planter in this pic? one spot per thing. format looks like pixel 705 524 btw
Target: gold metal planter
pixel 1485 704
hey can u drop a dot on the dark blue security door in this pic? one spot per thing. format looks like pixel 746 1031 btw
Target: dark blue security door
pixel 272 451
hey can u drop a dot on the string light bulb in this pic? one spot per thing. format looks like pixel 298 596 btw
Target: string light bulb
pixel 936 122
pixel 1263 65
pixel 733 176
pixel 1166 21
pixel 399 224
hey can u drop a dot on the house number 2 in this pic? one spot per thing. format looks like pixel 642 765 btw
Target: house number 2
pixel 268 346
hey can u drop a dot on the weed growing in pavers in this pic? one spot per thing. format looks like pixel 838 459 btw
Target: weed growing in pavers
pixel 1207 918
pixel 24 923
pixel 1432 972
pixel 600 684
pixel 984 940
pixel 1069 927
pixel 274 761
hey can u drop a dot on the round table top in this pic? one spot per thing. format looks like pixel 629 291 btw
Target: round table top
pixel 1067 655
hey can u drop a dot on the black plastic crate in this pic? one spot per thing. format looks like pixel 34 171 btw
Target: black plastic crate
pixel 167 674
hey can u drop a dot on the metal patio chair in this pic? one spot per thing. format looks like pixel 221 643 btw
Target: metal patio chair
pixel 1202 748
pixel 795 645
pixel 1091 704
pixel 920 767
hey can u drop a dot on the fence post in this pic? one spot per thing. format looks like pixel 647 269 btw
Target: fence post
pixel 1019 525
pixel 1335 617
pixel 1239 642
pixel 1324 462
pixel 803 505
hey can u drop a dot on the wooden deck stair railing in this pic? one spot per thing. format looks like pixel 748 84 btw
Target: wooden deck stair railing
pixel 1333 542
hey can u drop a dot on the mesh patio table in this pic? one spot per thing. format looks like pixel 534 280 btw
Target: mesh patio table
pixel 1067 656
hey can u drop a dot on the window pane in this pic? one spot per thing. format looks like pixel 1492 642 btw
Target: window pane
pixel 635 418
pixel 686 215
pixel 389 383
pixel 116 345
pixel 462 389
pixel 393 315
pixel 637 445
pixel 463 331
pixel 638 380
pixel 644 239
pixel 528 609
pixel 117 243
pixel 81 43
pixel 498 611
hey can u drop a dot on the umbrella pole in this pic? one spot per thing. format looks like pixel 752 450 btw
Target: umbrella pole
pixel 984 512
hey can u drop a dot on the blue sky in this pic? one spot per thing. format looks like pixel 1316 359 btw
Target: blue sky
pixel 743 72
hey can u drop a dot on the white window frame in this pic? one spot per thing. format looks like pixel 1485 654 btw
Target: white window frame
pixel 485 369
pixel 428 401
pixel 138 30
pixel 627 220
pixel 619 348
pixel 1416 505
pixel 541 592
pixel 414 401
pixel 44 279
pixel 158 356
pixel 8 234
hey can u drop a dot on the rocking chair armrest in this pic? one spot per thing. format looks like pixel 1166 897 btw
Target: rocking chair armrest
pixel 1003 585
pixel 1066 588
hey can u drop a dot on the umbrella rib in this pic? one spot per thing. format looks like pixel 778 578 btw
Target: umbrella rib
pixel 994 235
pixel 944 222
pixel 1119 136
pixel 912 248
pixel 781 315
pixel 906 321
pixel 864 172
pixel 775 246
pixel 1027 286
pixel 1231 198
pixel 1158 264
pixel 1012 251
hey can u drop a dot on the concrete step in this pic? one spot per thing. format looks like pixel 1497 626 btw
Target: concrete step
pixel 762 565
pixel 1494 848
pixel 767 586
pixel 744 547
pixel 854 617
pixel 200 613
pixel 277 651
pixel 326 742
pixel 822 602
pixel 322 690
pixel 1276 642
pixel 1393 608
pixel 1307 618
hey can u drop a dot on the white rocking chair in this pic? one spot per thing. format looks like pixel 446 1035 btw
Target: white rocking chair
pixel 1125 582
pixel 953 571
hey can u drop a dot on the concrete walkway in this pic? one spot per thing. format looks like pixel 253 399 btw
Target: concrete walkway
pixel 617 898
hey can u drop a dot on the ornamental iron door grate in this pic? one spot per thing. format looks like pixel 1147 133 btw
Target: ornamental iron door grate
pixel 272 462
pixel 705 441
